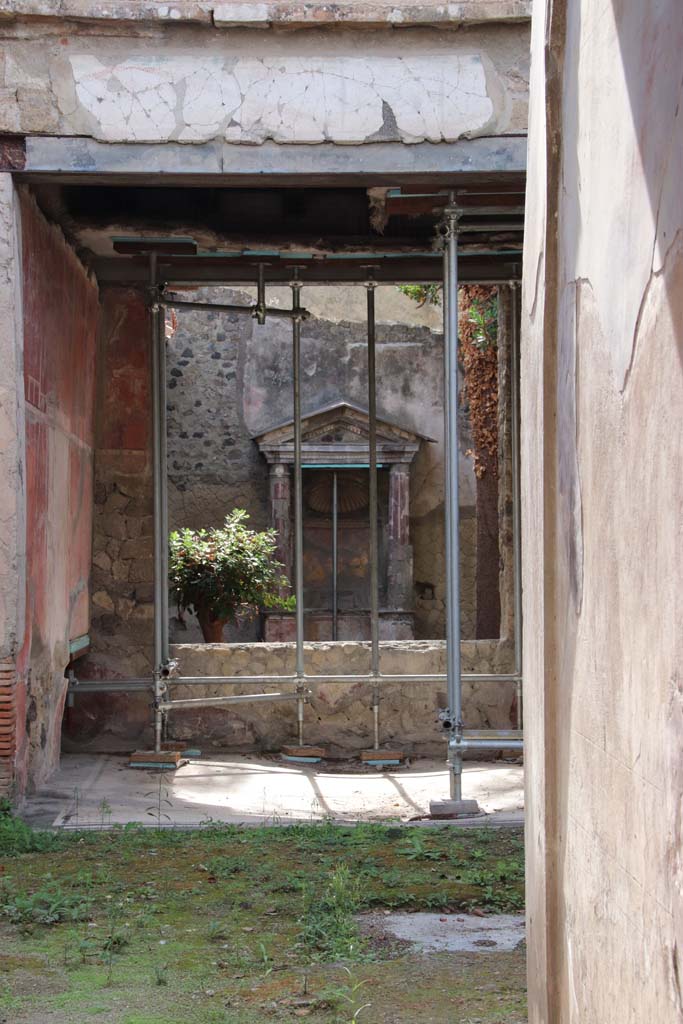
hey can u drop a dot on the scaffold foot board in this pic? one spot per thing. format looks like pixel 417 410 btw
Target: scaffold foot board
pixel 381 757
pixel 191 752
pixel 306 755
pixel 162 759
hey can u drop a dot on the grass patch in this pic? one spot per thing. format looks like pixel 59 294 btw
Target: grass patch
pixel 227 925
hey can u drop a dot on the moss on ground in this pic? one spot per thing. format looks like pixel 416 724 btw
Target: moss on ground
pixel 233 926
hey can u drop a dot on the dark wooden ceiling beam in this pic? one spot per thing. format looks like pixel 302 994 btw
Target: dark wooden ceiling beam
pixel 202 270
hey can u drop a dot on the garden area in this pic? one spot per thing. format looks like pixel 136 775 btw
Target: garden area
pixel 235 925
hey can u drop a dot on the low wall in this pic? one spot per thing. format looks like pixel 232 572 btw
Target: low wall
pixel 338 716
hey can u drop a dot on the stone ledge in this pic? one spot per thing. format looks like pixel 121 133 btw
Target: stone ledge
pixel 107 10
pixel 347 656
pixel 265 15
pixel 396 15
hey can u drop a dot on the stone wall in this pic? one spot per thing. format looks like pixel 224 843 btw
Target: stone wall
pixel 230 379
pixel 602 500
pixel 123 568
pixel 339 715
pixel 60 315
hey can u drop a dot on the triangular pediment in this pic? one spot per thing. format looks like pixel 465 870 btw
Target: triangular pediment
pixel 340 434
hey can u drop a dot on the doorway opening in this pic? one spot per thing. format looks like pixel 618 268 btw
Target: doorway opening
pixel 375 578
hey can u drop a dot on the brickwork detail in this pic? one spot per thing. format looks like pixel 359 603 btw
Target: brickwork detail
pixel 8 717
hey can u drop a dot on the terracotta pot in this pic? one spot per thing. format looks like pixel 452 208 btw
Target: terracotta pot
pixel 212 629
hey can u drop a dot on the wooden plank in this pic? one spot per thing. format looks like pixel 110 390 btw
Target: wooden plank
pixel 170 757
pixel 304 751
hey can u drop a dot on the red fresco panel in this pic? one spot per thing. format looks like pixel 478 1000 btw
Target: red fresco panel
pixel 125 421
pixel 61 311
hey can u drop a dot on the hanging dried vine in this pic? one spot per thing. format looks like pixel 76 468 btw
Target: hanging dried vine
pixel 478 354
pixel 478 340
pixel 478 336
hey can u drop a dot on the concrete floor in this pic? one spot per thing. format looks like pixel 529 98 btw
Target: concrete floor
pixel 99 789
pixel 449 933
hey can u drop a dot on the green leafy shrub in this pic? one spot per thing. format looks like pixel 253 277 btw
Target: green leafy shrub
pixel 423 294
pixel 218 571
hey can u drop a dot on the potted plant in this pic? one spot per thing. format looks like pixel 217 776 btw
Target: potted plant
pixel 218 571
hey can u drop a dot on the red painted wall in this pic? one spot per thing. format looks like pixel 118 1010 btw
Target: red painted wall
pixel 61 314
pixel 121 629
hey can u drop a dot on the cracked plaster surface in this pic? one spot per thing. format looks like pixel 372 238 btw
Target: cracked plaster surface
pixel 324 99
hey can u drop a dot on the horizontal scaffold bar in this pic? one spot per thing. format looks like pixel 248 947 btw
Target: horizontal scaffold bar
pixel 131 685
pixel 492 744
pixel 238 698
pixel 212 307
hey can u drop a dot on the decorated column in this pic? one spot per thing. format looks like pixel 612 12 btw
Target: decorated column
pixel 399 549
pixel 281 513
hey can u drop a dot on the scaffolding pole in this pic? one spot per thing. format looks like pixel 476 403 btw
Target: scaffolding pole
pixel 140 683
pixel 160 540
pixel 163 489
pixel 258 312
pixel 453 717
pixel 335 556
pixel 370 286
pixel 298 507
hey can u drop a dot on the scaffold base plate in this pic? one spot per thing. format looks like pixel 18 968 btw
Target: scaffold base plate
pixel 454 809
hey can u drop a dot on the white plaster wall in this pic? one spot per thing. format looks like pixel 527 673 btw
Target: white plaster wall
pixel 602 396
pixel 284 98
pixel 196 84
pixel 533 491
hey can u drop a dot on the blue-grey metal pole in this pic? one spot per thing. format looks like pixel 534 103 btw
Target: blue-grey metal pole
pixel 374 540
pixel 298 506
pixel 335 554
pixel 163 486
pixel 159 540
pixel 452 449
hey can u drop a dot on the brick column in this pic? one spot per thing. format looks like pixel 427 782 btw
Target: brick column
pixel 280 496
pixel 399 549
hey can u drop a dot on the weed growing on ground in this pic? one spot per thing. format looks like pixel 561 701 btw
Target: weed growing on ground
pixel 218 931
pixel 161 974
pixel 104 807
pixel 17 838
pixel 416 847
pixel 161 800
pixel 49 904
pixel 223 867
pixel 346 997
pixel 330 931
